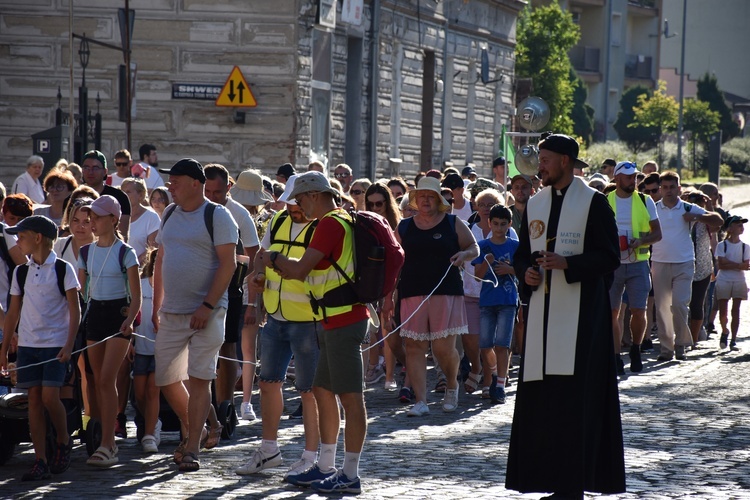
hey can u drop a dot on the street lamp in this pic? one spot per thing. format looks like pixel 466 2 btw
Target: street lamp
pixel 83 96
pixel 682 88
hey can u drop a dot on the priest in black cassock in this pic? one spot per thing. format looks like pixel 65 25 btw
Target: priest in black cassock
pixel 567 435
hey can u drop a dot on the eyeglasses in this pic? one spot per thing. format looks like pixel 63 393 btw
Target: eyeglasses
pixel 651 191
pixel 90 168
pixel 356 192
pixel 485 205
pixel 340 175
pixel 58 187
pixel 378 204
pixel 122 163
pixel 298 198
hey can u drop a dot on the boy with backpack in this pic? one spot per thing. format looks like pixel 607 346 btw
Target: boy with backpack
pixel 733 258
pixel 46 302
pixel 497 304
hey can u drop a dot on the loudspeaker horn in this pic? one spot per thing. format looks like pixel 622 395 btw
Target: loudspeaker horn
pixel 527 160
pixel 533 113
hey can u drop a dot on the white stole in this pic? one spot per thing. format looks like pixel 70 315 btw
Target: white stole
pixel 564 297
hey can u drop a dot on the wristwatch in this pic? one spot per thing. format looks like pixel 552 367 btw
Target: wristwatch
pixel 272 258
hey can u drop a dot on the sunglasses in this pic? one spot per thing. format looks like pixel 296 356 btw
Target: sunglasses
pixel 651 191
pixel 341 175
pixel 356 192
pixel 378 204
pixel 122 163
pixel 82 202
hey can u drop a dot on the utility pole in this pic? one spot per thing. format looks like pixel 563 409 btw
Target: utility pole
pixel 682 88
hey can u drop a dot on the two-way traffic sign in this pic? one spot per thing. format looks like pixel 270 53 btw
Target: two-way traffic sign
pixel 236 92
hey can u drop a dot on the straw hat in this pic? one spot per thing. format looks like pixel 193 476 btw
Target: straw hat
pixel 248 190
pixel 428 184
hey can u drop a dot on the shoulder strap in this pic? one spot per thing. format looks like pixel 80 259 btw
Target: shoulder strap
pixel 167 214
pixel 66 245
pixel 4 252
pixel 84 251
pixel 452 221
pixel 60 270
pixel 208 216
pixel 725 248
pixel 21 274
pixel 309 231
pixel 121 259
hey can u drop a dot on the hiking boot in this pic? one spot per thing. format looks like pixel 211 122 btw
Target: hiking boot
pixel 260 460
pixel 37 472
pixel 337 483
pixel 636 364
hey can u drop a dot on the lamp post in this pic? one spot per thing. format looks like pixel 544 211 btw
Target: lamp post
pixel 682 88
pixel 83 96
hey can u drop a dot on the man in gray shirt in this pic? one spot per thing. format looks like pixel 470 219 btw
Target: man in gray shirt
pixel 193 269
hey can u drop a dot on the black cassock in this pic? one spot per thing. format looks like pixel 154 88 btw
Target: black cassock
pixel 567 435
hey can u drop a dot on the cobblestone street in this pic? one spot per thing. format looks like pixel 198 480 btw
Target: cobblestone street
pixel 685 427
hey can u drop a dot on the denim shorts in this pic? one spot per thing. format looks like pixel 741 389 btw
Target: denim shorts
pixel 279 340
pixel 51 374
pixel 497 326
pixel 143 364
pixel 633 278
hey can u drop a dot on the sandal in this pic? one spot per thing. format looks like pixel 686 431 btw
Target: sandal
pixel 441 385
pixel 214 435
pixel 189 463
pixel 103 457
pixel 485 392
pixel 472 382
pixel 179 452
pixel 204 438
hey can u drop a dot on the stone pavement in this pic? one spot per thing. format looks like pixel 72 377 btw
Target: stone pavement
pixel 685 427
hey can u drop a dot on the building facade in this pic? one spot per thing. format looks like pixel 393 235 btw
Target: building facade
pixel 389 87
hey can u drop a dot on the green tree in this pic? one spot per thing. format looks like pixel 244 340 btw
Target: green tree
pixel 544 37
pixel 708 91
pixel 700 120
pixel 638 138
pixel 582 113
pixel 659 111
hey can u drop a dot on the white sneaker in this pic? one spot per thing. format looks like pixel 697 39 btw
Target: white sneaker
pixel 418 410
pixel 148 443
pixel 391 386
pixel 258 461
pixel 246 409
pixel 157 432
pixel 450 400
pixel 298 467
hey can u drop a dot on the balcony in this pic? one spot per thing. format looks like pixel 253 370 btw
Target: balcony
pixel 649 4
pixel 585 58
pixel 638 66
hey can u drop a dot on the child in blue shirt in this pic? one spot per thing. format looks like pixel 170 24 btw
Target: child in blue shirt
pixel 497 304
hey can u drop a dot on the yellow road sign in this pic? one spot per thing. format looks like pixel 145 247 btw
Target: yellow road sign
pixel 236 92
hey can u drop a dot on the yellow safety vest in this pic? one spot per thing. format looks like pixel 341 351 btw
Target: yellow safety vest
pixel 288 297
pixel 639 221
pixel 319 282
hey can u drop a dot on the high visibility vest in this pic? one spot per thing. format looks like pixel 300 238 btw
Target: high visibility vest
pixel 319 282
pixel 288 297
pixel 639 221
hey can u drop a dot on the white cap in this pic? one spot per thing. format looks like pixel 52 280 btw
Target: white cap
pixel 288 188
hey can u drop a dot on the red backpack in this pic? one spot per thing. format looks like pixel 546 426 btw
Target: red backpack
pixel 378 259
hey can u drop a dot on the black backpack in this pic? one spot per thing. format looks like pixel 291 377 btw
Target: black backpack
pixel 60 268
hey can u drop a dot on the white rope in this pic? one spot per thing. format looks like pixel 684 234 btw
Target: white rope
pixel 8 370
pixel 220 357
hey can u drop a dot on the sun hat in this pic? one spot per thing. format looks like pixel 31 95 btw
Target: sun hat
pixel 249 190
pixel 312 181
pixel 428 184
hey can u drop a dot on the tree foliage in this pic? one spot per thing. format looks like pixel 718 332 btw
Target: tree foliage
pixel 638 138
pixel 545 35
pixel 700 120
pixel 659 111
pixel 582 113
pixel 709 92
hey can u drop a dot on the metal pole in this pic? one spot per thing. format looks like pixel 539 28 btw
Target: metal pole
pixel 682 88
pixel 71 98
pixel 128 76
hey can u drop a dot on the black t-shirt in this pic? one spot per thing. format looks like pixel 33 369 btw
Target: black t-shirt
pixel 120 197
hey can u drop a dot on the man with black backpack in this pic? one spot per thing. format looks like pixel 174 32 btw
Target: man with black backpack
pixel 339 371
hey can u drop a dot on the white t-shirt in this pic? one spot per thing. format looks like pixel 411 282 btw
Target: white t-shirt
pixel 154 179
pixel 64 249
pixel 44 313
pixel 245 223
pixel 463 213
pixel 115 180
pixel 106 279
pixel 624 218
pixel 676 245
pixel 26 184
pixel 735 252
pixel 146 224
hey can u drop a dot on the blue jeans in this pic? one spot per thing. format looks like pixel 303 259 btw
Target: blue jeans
pixel 279 340
pixel 497 326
